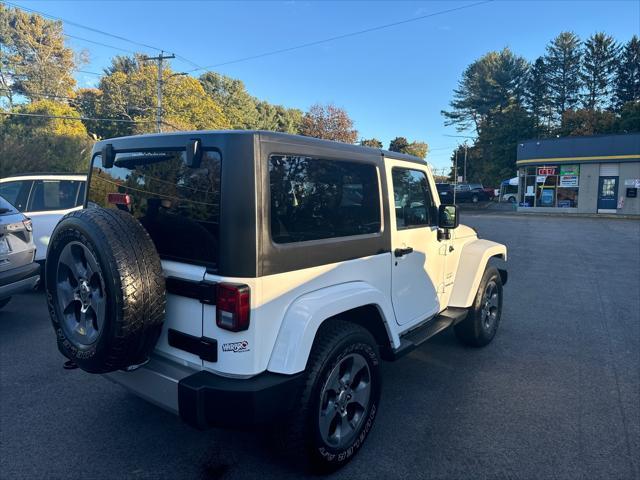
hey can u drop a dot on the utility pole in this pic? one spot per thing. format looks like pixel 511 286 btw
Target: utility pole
pixel 465 162
pixel 455 176
pixel 160 58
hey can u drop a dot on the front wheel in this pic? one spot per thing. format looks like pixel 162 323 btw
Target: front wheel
pixel 483 319
pixel 339 401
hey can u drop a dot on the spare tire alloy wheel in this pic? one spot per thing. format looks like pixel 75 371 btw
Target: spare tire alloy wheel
pixel 105 290
pixel 81 294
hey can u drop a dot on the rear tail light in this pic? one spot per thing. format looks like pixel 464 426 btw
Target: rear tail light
pixel 119 199
pixel 233 306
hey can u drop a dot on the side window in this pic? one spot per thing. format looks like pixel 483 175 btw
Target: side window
pixel 314 198
pixel 80 199
pixel 413 203
pixel 16 193
pixel 53 195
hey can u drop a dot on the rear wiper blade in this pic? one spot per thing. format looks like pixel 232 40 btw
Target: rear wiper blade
pixel 4 210
pixel 132 161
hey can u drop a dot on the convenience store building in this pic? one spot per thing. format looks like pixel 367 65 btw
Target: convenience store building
pixel 594 174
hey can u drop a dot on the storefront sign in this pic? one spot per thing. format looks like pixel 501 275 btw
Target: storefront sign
pixel 569 169
pixel 632 182
pixel 569 180
pixel 541 179
pixel 546 197
pixel 547 171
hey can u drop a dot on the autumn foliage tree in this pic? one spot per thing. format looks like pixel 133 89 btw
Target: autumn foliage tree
pixel 328 122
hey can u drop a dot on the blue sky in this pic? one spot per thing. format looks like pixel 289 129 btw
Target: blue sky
pixel 393 82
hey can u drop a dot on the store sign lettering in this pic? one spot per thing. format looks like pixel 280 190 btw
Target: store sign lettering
pixel 568 180
pixel 547 171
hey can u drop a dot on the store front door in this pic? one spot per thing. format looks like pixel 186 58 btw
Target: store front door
pixel 607 194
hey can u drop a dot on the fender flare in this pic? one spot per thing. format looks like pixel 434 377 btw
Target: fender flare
pixel 305 315
pixel 473 260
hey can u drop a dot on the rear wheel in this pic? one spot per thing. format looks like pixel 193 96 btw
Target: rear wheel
pixel 339 401
pixel 483 319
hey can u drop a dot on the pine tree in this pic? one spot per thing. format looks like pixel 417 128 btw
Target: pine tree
pixel 537 96
pixel 598 69
pixel 563 71
pixel 628 74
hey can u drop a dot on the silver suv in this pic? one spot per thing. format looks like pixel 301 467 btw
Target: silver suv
pixel 18 272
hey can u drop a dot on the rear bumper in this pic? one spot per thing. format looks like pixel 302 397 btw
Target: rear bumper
pixel 203 399
pixel 19 279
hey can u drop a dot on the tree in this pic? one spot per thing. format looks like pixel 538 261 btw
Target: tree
pixel 598 68
pixel 130 94
pixel 629 120
pixel 563 71
pixel 585 121
pixel 29 144
pixel 34 61
pixel 537 96
pixel 490 84
pixel 627 82
pixel 277 118
pixel 328 122
pixel 371 142
pixel 417 149
pixel 236 103
pixel 398 144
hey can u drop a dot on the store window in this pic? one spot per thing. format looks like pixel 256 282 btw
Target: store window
pixel 550 186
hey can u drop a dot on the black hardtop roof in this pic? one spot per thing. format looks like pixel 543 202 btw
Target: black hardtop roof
pixel 174 139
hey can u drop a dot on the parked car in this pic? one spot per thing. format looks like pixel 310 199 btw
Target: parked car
pixel 251 278
pixel 45 199
pixel 491 192
pixel 474 193
pixel 18 272
pixel 445 192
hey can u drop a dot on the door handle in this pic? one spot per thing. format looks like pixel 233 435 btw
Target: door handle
pixel 401 252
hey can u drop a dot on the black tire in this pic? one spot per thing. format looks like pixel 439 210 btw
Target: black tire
pixel 125 276
pixel 336 343
pixel 4 302
pixel 512 199
pixel 480 327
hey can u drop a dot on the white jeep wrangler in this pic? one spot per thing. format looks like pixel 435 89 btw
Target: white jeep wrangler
pixel 236 278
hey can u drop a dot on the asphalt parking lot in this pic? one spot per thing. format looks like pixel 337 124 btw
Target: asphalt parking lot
pixel 556 395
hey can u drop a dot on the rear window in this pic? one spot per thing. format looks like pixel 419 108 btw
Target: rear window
pixel 177 205
pixel 314 198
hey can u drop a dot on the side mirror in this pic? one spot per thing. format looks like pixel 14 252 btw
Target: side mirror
pixel 108 155
pixel 448 216
pixel 194 153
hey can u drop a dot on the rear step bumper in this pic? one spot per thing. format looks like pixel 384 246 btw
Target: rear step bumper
pixel 203 399
pixel 207 400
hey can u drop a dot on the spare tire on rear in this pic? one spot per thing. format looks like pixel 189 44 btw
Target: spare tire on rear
pixel 105 289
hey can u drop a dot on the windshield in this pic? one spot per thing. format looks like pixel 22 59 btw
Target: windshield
pixel 177 205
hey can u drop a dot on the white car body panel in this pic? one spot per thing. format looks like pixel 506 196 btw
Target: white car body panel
pixel 472 263
pixel 45 221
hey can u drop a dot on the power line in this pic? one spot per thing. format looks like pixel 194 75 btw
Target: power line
pixel 340 37
pixel 69 117
pixel 101 32
pixel 99 43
